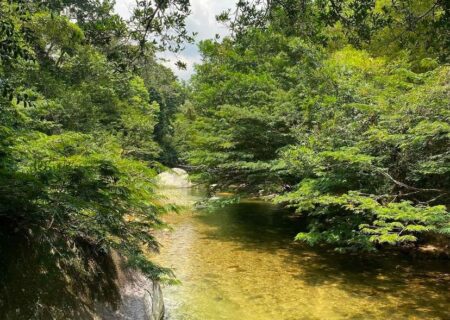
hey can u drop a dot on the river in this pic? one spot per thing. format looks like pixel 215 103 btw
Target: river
pixel 241 263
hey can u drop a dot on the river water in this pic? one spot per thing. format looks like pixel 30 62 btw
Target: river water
pixel 240 263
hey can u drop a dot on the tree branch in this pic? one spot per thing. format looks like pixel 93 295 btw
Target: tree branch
pixel 404 185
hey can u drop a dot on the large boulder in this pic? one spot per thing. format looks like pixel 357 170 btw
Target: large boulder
pixel 90 285
pixel 174 178
pixel 140 297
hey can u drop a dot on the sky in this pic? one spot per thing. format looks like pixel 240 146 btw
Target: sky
pixel 202 20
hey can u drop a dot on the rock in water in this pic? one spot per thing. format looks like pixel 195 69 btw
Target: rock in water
pixel 174 178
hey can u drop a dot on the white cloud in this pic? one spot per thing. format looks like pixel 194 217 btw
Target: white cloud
pixel 125 7
pixel 202 20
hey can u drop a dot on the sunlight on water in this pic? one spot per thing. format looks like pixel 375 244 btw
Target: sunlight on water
pixel 241 263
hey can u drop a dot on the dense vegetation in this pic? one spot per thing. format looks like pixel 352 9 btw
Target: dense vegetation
pixel 85 125
pixel 339 109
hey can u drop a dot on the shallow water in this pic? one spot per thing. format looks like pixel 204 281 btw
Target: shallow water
pixel 241 263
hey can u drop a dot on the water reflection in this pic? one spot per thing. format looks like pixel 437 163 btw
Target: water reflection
pixel 241 263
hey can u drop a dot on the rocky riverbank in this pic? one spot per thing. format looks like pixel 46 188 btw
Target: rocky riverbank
pixel 140 297
pixel 36 282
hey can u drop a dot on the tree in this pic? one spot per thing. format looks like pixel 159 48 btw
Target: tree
pixel 78 156
pixel 422 27
pixel 326 113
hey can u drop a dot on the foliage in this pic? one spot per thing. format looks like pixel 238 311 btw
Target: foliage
pixel 164 18
pixel 422 27
pixel 78 156
pixel 342 124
